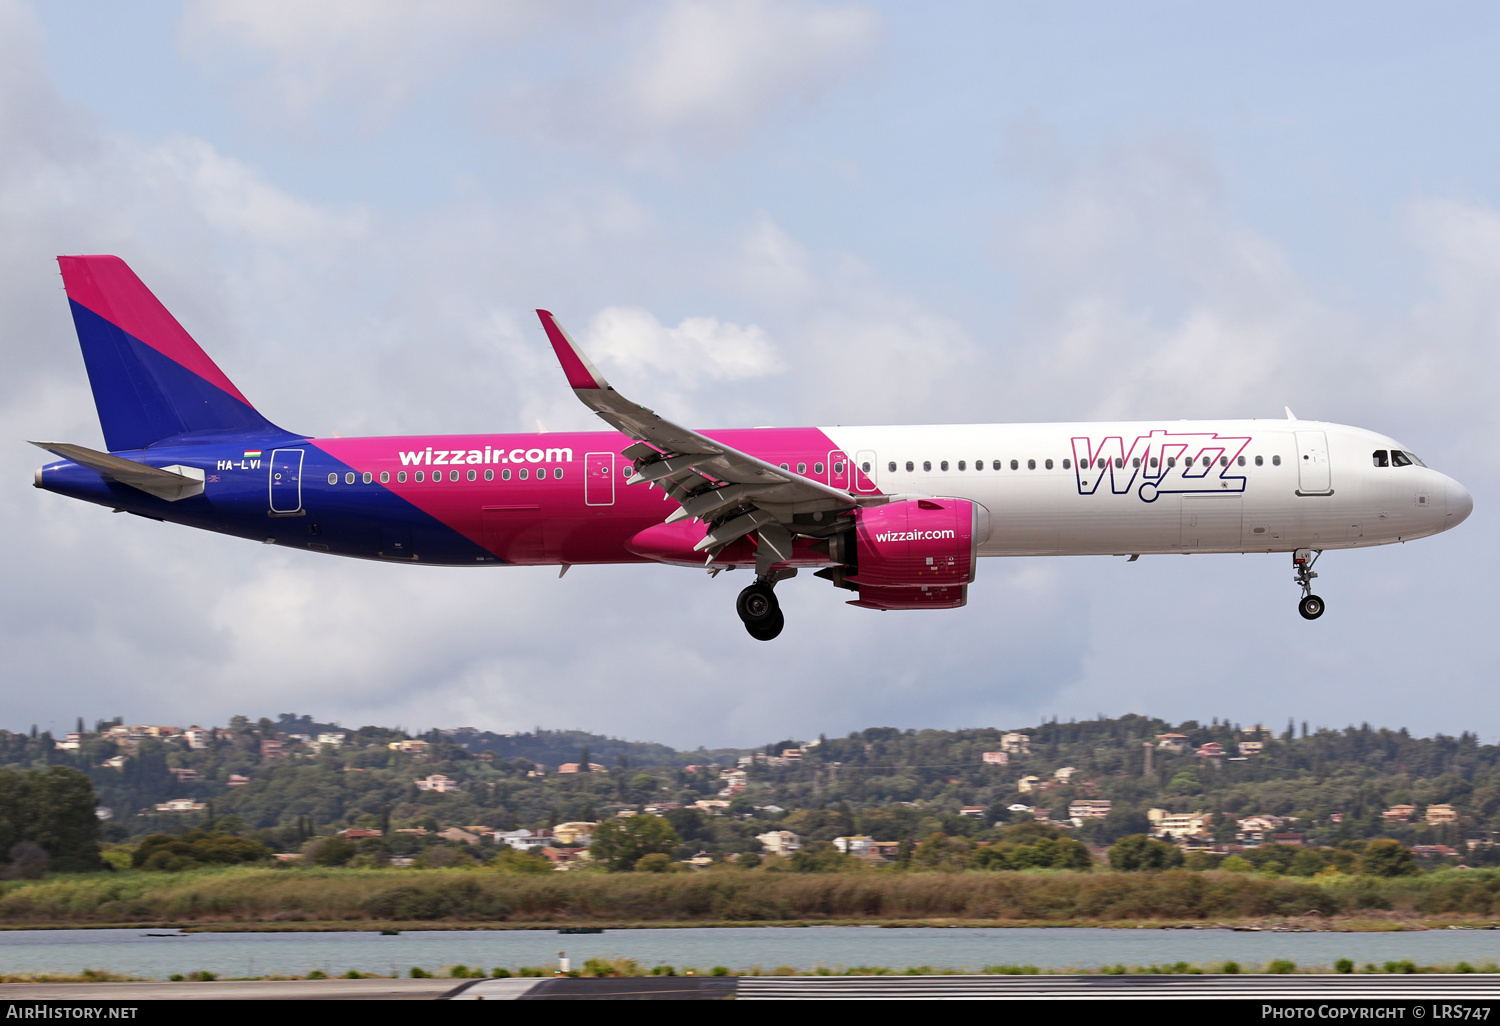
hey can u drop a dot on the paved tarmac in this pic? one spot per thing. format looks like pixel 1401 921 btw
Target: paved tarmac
pixel 1292 988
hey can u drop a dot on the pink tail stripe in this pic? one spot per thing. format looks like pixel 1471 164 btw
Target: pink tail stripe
pixel 109 288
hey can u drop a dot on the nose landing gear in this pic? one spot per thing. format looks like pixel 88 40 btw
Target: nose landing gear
pixel 759 610
pixel 1311 606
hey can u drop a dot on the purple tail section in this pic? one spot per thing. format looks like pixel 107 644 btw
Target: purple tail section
pixel 151 381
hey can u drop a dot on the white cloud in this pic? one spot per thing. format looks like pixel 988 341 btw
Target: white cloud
pixel 372 54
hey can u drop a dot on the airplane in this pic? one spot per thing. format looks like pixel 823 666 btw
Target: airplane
pixel 898 515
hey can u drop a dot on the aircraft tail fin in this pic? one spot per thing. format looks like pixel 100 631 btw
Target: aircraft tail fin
pixel 151 381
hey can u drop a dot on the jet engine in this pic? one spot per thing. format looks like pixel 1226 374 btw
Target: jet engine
pixel 916 554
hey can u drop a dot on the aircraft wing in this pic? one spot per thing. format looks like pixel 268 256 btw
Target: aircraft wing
pixel 733 492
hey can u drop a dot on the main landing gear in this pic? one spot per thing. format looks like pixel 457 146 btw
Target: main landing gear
pixel 760 611
pixel 1311 607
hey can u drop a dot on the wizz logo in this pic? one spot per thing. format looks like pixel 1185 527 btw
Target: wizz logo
pixel 1161 463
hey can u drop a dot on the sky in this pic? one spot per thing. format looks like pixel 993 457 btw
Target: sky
pixel 757 212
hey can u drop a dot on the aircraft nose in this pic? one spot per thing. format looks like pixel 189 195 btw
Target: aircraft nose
pixel 1460 504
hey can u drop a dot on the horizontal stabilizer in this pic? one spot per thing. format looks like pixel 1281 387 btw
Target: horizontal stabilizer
pixel 170 483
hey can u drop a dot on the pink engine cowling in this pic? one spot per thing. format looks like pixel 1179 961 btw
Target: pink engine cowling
pixel 917 554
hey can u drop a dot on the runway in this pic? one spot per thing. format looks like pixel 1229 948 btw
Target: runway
pixel 1290 988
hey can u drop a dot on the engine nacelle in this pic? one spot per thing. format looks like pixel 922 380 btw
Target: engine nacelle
pixel 919 543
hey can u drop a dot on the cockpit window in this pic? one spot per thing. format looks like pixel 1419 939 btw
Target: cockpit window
pixel 1382 458
pixel 1414 458
pixel 1398 459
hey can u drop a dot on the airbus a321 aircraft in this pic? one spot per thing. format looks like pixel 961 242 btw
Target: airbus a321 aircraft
pixel 897 515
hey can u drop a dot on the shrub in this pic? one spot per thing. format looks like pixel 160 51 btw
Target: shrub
pixel 1281 966
pixel 1138 853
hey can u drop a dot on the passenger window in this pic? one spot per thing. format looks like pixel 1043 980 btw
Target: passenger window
pixel 979 464
pixel 996 465
pixel 473 475
pixel 1223 461
pixel 1014 465
pixel 489 475
pixel 401 477
pixel 1398 459
pixel 867 467
pixel 961 464
pixel 1031 464
pixel 1067 464
pixel 1241 461
pixel 838 468
pixel 943 465
pixel 1154 463
pixel 927 466
pixel 1275 461
pixel 1136 463
pixel 802 468
pixel 891 466
pixel 418 477
pixel 1260 461
pixel 453 475
pixel 557 473
pixel 505 474
pixel 333 479
pixel 349 477
pixel 1208 461
pixel 909 466
pixel 1049 464
pixel 1382 458
pixel 1171 461
pixel 385 477
pixel 1119 463
pixel 785 467
pixel 521 474
pixel 818 468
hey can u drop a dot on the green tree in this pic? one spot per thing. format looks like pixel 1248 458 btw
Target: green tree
pixel 619 843
pixel 1139 853
pixel 52 808
pixel 1385 857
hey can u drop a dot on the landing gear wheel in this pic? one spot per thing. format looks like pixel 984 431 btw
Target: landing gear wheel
pixel 768 630
pixel 757 606
pixel 1311 607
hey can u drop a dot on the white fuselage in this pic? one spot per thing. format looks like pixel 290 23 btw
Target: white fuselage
pixel 1267 486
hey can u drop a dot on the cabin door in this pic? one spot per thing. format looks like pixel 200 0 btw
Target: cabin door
pixel 286 482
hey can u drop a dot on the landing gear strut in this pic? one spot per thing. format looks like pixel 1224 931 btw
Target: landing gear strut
pixel 760 611
pixel 1311 607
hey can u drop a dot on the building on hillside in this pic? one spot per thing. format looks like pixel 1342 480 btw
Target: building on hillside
pixel 114 762
pixel 1212 750
pixel 573 767
pixel 887 850
pixel 577 832
pixel 237 780
pixel 1015 744
pixel 436 782
pixel 658 808
pixel 1089 808
pixel 857 845
pixel 1179 824
pixel 185 776
pixel 1256 829
pixel 359 833
pixel 1441 814
pixel 995 758
pixel 972 811
pixel 779 842
pixel 1399 813
pixel 1172 742
pixel 1063 775
pixel 1248 748
pixel 1042 815
pixel 181 805
pixel 1432 851
pixel 1028 784
pixel 711 806
pixel 409 747
pixel 1292 839
pixel 457 835
pixel 271 749
pixel 71 743
pixel 525 840
pixel 336 739
pixel 196 737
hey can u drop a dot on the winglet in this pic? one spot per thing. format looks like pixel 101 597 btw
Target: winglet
pixel 1289 414
pixel 581 373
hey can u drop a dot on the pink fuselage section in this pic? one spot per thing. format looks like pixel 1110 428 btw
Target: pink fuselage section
pixel 563 497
